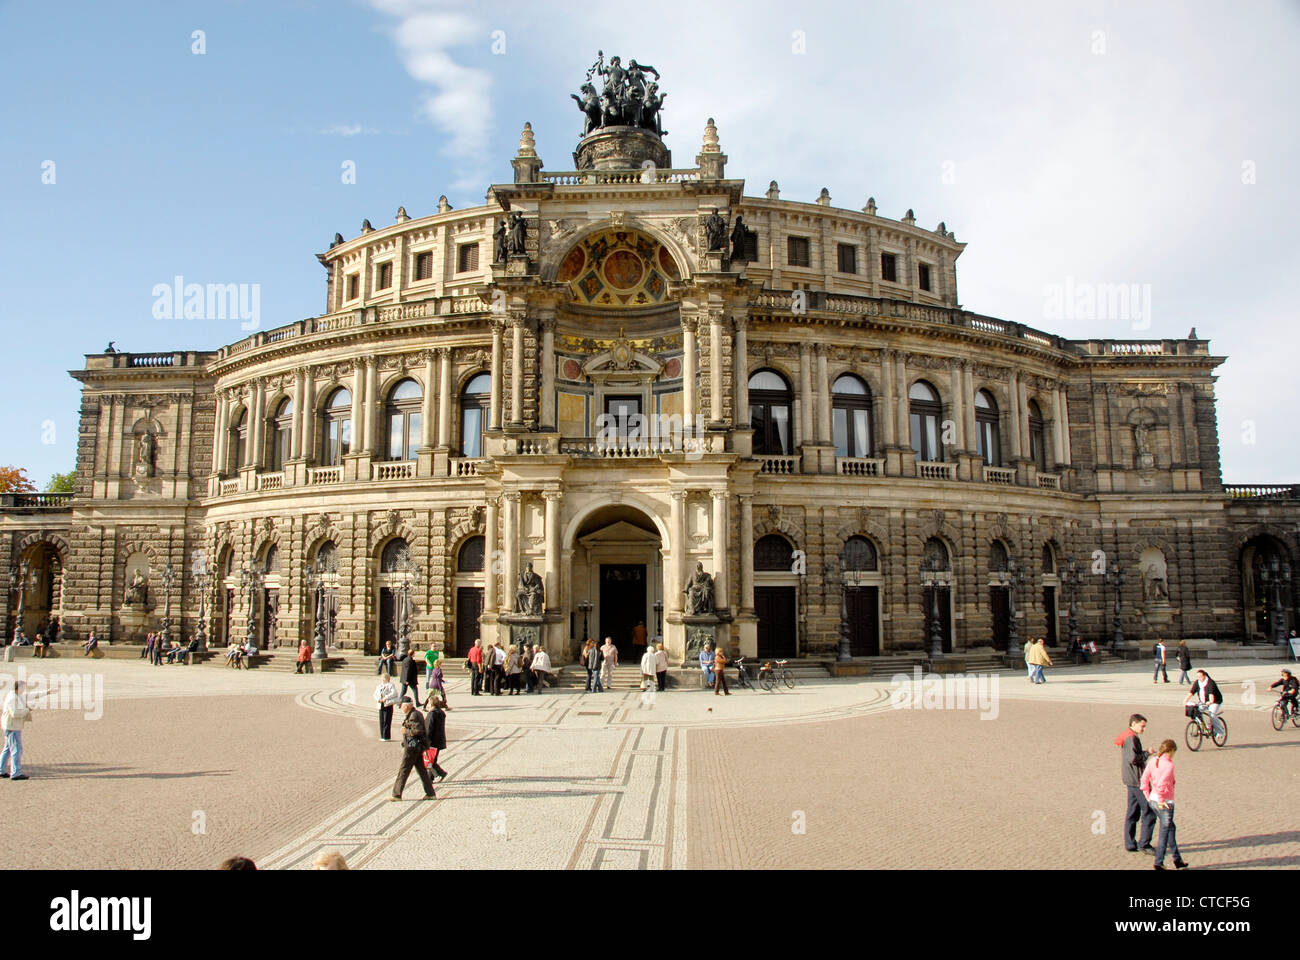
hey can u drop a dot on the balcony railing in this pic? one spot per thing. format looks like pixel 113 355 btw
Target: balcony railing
pixel 617 448
pixel 35 501
pixel 1005 475
pixel 570 178
pixel 779 465
pixel 860 466
pixel 229 486
pixel 393 470
pixel 1242 491
pixel 464 466
pixel 270 481
pixel 930 470
pixel 1049 481
pixel 316 476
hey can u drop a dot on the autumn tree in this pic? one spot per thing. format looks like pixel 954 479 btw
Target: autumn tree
pixel 15 480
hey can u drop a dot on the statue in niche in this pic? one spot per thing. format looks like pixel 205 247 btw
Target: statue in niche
pixel 517 235
pixel 530 595
pixel 715 228
pixel 146 453
pixel 499 243
pixel 699 592
pixel 1142 438
pixel 1154 586
pixel 137 591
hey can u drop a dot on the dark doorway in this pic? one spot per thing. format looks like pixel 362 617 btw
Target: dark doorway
pixel 622 606
pixel 1049 610
pixel 387 618
pixel 469 607
pixel 864 624
pixel 1000 608
pixel 775 607
pixel 227 617
pixel 945 616
pixel 270 613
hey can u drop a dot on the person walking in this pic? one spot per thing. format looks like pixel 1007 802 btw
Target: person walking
pixel 1184 663
pixel 1139 821
pixel 542 667
pixel 1158 788
pixel 513 669
pixel 498 668
pixel 1158 651
pixel 146 652
pixel 430 661
pixel 475 658
pixel 594 660
pixel 638 638
pixel 706 664
pixel 385 697
pixel 304 658
pixel 13 715
pixel 1029 667
pixel 1039 658
pixel 648 669
pixel 436 683
pixel 609 660
pixel 1206 692
pixel 661 666
pixel 436 729
pixel 530 682
pixel 585 657
pixel 415 740
pixel 720 672
pixel 410 675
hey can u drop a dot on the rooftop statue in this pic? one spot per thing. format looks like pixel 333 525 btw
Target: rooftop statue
pixel 627 97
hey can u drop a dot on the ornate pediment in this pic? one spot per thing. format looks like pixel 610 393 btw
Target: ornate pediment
pixel 622 362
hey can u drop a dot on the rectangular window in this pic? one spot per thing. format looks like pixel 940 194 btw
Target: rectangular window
pixel 848 257
pixel 424 265
pixel 751 246
pixel 354 286
pixel 384 276
pixel 471 432
pixel 889 267
pixel 467 258
pixel 622 418
pixel 797 251
pixel 923 276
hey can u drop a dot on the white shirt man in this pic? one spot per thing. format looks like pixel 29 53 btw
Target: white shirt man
pixel 649 666
pixel 13 715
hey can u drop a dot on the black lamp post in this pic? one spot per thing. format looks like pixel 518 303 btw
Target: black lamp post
pixel 1281 576
pixel 318 575
pixel 659 623
pixel 409 575
pixel 250 579
pixel 1015 578
pixel 202 582
pixel 20 580
pixel 1115 577
pixel 168 581
pixel 1072 579
pixel 585 606
pixel 930 570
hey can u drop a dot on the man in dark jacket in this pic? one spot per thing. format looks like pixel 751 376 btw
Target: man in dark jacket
pixel 1132 761
pixel 410 673
pixel 437 734
pixel 415 740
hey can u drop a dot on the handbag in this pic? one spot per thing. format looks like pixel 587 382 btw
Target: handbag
pixel 431 757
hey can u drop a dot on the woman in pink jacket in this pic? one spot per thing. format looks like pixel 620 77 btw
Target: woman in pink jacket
pixel 1158 788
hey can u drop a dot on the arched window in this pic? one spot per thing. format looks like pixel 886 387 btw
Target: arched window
pixel 851 417
pixel 280 435
pixel 328 556
pixel 396 554
pixel 773 552
pixel 926 411
pixel 769 413
pixel 470 558
pixel 404 424
pixel 988 442
pixel 1037 452
pixel 1049 559
pixel 936 552
pixel 337 427
pixel 238 445
pixel 860 554
pixel 997 557
pixel 272 557
pixel 474 403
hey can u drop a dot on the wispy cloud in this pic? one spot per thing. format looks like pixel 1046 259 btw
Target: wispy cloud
pixel 348 130
pixel 458 100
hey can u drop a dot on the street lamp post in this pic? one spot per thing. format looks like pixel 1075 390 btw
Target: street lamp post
pixel 318 576
pixel 1072 579
pixel 1015 578
pixel 929 577
pixel 1281 577
pixel 585 606
pixel 202 582
pixel 250 579
pixel 168 581
pixel 20 580
pixel 408 575
pixel 659 624
pixel 1115 577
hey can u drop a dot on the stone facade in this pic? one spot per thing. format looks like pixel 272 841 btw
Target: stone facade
pixel 1103 451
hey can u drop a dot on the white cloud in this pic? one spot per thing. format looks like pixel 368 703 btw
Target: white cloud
pixel 347 130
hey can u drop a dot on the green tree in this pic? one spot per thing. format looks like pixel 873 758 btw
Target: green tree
pixel 62 483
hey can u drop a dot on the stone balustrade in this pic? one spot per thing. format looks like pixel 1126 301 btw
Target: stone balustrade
pixel 393 470
pixel 317 476
pixel 936 470
pixel 778 465
pixel 1275 491
pixel 1049 481
pixel 860 466
pixel 1005 475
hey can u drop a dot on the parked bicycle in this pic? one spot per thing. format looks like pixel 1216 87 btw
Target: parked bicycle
pixel 742 675
pixel 770 674
pixel 1283 711
pixel 1204 725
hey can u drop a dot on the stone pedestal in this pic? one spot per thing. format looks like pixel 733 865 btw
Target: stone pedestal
pixel 699 629
pixel 135 621
pixel 621 148
pixel 524 628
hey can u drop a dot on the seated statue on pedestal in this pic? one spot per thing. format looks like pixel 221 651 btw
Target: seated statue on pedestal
pixel 699 592
pixel 530 595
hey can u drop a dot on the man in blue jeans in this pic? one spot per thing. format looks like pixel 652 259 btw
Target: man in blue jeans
pixel 13 715
pixel 1132 761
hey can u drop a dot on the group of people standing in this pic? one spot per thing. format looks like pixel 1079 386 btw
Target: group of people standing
pixel 600 661
pixel 1161 653
pixel 494 668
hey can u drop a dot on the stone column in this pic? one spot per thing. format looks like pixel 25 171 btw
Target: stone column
pixel 494 407
pixel 740 358
pixel 220 430
pixel 677 520
pixel 746 550
pixel 308 451
pixel 806 434
pixel 426 412
pixel 1022 405
pixel 1016 415
pixel 968 395
pixel 517 372
pixel 552 548
pixel 371 408
pixel 688 372
pixel 546 412
pixel 959 405
pixel 720 549
pixel 489 557
pixel 1065 423
pixel 900 392
pixel 511 548
pixel 823 412
pixel 444 397
pixel 716 406
pixel 299 391
pixel 358 396
pixel 257 425
pixel 1058 432
pixel 888 393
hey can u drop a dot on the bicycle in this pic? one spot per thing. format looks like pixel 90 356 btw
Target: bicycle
pixel 1282 710
pixel 742 675
pixel 773 673
pixel 1204 725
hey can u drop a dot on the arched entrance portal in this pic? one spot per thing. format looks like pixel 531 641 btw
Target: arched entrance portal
pixel 1266 596
pixel 38 589
pixel 617 568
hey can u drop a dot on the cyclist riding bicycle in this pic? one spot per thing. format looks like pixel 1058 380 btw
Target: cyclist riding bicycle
pixel 1290 687
pixel 1205 692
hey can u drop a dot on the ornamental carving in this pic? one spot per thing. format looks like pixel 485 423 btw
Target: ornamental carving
pixel 618 269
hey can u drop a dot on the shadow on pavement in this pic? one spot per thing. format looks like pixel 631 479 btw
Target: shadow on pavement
pixel 77 771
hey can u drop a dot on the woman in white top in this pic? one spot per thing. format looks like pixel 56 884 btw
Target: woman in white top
pixel 661 665
pixel 385 697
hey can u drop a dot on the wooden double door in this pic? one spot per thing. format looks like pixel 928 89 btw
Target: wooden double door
pixel 777 612
pixel 469 607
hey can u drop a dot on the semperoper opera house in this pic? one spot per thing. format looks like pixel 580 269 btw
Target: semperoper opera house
pixel 630 392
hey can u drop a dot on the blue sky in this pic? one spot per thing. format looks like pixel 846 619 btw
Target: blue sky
pixel 1092 143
